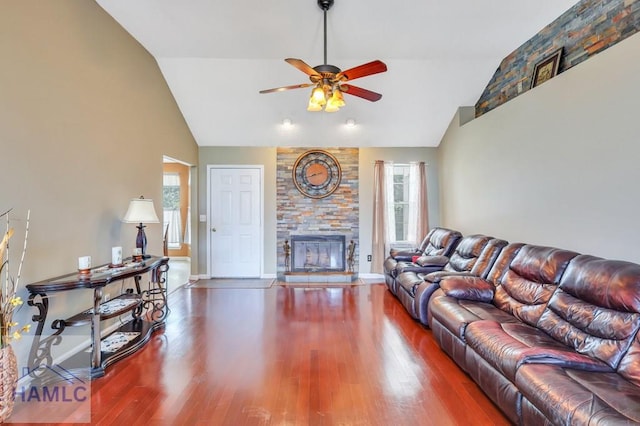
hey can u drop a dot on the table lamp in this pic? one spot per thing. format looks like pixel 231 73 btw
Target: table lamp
pixel 141 210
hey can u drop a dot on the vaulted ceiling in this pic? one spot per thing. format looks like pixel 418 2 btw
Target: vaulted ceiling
pixel 216 56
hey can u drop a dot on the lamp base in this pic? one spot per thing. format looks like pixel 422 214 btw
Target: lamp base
pixel 141 241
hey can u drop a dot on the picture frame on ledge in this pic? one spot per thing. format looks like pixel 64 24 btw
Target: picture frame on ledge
pixel 546 69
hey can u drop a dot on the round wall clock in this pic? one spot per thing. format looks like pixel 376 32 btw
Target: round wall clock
pixel 317 173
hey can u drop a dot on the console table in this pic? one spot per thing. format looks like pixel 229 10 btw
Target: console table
pixel 147 304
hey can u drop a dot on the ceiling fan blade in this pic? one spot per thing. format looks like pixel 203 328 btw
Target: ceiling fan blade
pixel 360 92
pixel 373 67
pixel 303 66
pixel 282 89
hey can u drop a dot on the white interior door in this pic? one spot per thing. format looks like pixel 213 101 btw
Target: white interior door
pixel 235 224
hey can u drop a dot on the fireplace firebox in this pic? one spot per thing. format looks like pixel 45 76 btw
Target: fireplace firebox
pixel 317 253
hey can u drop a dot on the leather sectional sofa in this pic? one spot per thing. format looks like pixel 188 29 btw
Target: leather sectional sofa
pixel 550 335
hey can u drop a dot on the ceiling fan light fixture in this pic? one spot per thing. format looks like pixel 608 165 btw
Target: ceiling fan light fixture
pixel 336 98
pixel 335 102
pixel 331 107
pixel 318 95
pixel 313 106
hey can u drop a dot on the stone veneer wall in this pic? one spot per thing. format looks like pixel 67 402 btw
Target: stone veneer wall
pixel 587 28
pixel 336 214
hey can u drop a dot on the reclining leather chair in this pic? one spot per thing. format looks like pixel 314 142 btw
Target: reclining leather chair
pixel 432 255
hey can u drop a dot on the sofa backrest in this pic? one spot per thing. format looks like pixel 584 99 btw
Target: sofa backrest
pixel 488 257
pixel 440 242
pixel 466 253
pixel 501 265
pixel 474 254
pixel 596 309
pixel 526 284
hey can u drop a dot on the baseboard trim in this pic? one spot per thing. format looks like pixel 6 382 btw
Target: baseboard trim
pixel 208 277
pixel 371 276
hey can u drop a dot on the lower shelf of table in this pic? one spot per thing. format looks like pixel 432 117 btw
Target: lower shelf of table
pixel 132 335
pixel 143 330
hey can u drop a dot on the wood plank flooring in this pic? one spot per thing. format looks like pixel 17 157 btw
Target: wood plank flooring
pixel 289 356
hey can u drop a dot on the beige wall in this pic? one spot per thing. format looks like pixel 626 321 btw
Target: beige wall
pixel 556 166
pixel 85 118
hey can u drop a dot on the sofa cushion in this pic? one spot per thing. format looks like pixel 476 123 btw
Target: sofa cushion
pixel 409 281
pixel 530 280
pixel 596 308
pixel 456 314
pixel 575 397
pixel 508 346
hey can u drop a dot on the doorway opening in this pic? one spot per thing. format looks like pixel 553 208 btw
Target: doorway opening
pixel 176 208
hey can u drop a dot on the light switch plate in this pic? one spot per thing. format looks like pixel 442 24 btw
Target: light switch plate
pixel 203 218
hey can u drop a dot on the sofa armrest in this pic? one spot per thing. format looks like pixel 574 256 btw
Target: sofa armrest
pixel 432 260
pixel 468 288
pixel 436 277
pixel 404 254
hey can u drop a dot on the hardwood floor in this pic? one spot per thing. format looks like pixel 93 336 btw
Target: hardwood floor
pixel 289 356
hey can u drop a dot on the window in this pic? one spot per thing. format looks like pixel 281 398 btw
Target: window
pixel 402 191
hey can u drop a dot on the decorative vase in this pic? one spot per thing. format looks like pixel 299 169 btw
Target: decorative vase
pixel 8 381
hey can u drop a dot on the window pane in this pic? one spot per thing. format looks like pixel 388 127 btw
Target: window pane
pixel 401 221
pixel 171 191
pixel 401 199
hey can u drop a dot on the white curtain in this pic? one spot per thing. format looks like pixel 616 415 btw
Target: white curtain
pixel 174 236
pixel 418 214
pixel 423 206
pixel 390 214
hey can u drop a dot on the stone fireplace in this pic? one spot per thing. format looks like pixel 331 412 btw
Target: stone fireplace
pixel 318 253
pixel 299 216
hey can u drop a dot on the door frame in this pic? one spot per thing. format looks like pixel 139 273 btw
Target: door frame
pixel 210 168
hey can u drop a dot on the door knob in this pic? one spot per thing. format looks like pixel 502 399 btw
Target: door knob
pixel 213 229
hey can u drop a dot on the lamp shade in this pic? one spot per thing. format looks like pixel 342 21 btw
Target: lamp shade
pixel 141 210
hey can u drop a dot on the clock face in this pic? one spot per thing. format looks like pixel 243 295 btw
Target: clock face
pixel 317 174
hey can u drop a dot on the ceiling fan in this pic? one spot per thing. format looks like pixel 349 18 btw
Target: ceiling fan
pixel 329 80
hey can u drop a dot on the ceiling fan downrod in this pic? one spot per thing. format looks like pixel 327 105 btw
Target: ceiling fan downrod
pixel 325 5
